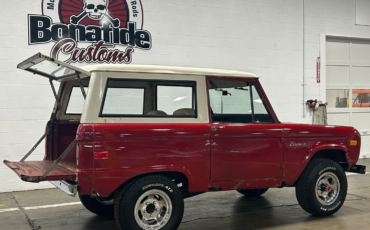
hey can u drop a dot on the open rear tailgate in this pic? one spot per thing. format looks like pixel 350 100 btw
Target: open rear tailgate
pixel 32 171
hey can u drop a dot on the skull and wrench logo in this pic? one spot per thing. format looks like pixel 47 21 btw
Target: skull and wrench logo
pixel 95 10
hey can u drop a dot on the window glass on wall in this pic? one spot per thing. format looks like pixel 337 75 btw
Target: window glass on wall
pixel 347 75
pixel 361 98
pixel 337 98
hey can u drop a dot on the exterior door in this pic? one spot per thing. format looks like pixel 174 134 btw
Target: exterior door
pixel 348 86
pixel 246 141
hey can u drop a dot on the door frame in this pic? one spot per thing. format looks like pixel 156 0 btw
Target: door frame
pixel 259 88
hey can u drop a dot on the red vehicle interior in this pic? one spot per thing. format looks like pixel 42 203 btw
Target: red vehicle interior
pixel 64 134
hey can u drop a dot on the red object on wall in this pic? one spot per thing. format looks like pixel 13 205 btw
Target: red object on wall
pixel 318 63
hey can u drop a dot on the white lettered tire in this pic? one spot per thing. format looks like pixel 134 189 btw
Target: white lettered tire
pixel 322 188
pixel 153 202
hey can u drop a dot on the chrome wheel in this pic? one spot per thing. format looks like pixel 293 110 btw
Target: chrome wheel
pixel 153 209
pixel 327 188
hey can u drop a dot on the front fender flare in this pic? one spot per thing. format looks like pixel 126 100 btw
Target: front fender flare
pixel 311 154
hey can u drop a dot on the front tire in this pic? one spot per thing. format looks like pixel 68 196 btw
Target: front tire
pixel 152 202
pixel 253 192
pixel 322 188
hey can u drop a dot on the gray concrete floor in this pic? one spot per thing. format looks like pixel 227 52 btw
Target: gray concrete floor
pixel 276 209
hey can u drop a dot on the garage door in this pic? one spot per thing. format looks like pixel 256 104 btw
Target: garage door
pixel 348 86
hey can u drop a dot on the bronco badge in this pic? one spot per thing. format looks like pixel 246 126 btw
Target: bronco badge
pixel 294 144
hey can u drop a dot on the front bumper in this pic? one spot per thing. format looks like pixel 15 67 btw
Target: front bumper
pixel 358 169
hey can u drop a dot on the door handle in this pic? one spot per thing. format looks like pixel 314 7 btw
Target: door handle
pixel 214 128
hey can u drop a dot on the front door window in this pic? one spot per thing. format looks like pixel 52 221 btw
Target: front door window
pixel 236 102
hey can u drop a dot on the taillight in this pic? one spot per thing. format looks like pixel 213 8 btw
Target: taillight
pixel 101 155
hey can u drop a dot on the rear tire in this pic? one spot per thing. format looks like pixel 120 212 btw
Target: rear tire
pixel 253 192
pixel 96 207
pixel 152 202
pixel 322 188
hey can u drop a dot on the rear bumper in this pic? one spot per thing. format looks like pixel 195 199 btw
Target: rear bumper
pixel 69 189
pixel 358 169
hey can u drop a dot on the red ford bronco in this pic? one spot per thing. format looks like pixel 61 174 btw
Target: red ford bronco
pixel 134 141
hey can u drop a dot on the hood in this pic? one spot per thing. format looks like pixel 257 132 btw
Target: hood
pixel 308 130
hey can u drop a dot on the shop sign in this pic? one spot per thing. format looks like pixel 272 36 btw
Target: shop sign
pixel 90 31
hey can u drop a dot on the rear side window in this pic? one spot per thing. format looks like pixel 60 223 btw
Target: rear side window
pixel 76 101
pixel 149 98
pixel 173 98
pixel 128 101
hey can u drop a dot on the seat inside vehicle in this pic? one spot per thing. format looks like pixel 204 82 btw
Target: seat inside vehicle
pixel 184 112
pixel 157 113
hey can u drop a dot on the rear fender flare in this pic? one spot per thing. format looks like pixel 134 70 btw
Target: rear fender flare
pixel 131 174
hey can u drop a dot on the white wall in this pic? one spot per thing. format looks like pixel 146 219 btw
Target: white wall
pixel 25 100
pixel 261 36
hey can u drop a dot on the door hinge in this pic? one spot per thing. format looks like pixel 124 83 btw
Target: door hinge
pixel 282 166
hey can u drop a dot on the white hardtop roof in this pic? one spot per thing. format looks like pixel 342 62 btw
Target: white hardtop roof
pixel 165 70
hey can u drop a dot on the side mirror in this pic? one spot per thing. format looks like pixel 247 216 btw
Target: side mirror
pixel 224 92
